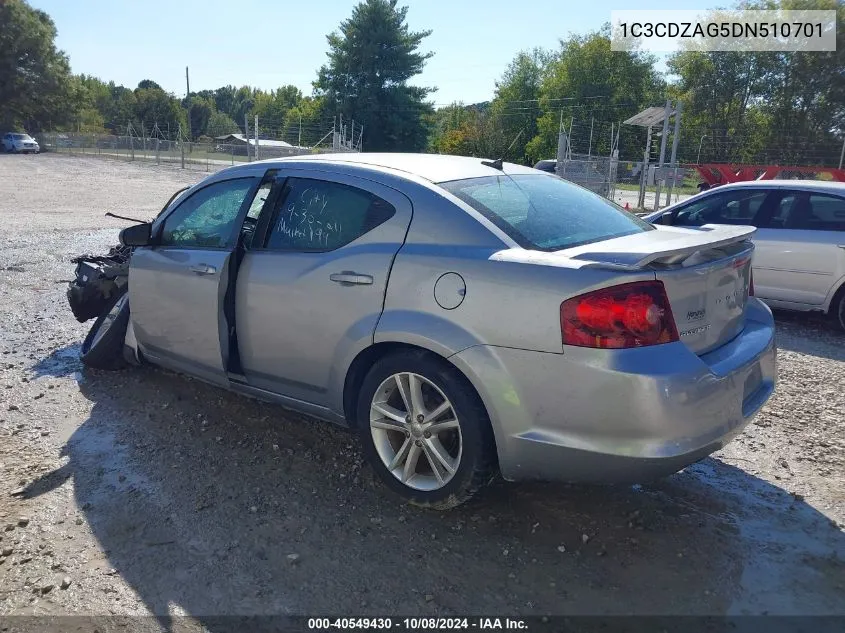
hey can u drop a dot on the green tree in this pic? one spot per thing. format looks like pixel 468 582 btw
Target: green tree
pixel 221 124
pixel 719 92
pixel 516 105
pixel 306 123
pixel 272 107
pixel 36 88
pixel 200 112
pixel 154 106
pixel 474 130
pixel 243 103
pixel 371 60
pixel 147 84
pixel 764 107
pixel 224 100
pixel 586 80
pixel 122 110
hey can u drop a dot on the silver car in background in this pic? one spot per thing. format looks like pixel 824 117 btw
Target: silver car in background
pixel 799 262
pixel 466 317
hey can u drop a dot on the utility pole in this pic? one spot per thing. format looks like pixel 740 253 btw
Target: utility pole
pixel 188 98
pixel 181 145
pixel 299 141
pixel 673 161
pixel 246 134
pixel 704 136
pixel 131 146
pixel 255 133
pixel 842 154
pixel 644 174
pixel 667 112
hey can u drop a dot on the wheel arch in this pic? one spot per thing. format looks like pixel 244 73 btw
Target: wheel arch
pixel 370 355
pixel 835 295
pixel 833 306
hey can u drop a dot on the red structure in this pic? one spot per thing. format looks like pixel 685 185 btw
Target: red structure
pixel 721 174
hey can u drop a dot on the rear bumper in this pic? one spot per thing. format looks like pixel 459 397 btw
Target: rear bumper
pixel 614 416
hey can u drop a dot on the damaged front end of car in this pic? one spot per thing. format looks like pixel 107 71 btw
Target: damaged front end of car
pixel 98 280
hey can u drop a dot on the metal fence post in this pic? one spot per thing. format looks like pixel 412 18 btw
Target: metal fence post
pixel 182 146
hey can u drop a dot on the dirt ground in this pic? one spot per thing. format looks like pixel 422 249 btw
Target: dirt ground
pixel 143 491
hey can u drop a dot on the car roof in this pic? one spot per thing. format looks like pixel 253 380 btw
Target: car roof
pixel 821 185
pixel 432 167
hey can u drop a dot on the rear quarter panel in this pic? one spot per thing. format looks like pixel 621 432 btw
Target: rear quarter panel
pixel 506 303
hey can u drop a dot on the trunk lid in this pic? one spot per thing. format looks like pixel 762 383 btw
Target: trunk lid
pixel 706 273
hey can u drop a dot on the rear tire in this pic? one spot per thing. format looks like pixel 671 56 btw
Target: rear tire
pixel 103 346
pixel 837 310
pixel 448 456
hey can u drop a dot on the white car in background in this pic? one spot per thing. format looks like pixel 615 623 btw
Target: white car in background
pixel 799 261
pixel 17 142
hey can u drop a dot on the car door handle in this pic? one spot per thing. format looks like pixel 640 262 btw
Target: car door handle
pixel 203 269
pixel 349 278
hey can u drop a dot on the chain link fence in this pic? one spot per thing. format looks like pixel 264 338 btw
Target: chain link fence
pixel 596 173
pixel 205 156
pixel 679 184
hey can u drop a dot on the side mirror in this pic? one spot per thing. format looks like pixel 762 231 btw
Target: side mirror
pixel 666 218
pixel 138 235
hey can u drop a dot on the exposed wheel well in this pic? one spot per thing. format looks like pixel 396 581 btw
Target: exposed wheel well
pixel 362 363
pixel 836 297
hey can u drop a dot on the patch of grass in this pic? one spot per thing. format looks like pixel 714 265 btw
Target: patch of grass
pixel 689 189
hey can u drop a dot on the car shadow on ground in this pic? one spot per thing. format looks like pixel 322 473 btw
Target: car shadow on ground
pixel 809 333
pixel 214 504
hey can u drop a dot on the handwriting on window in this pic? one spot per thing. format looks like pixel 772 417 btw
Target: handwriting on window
pixel 304 220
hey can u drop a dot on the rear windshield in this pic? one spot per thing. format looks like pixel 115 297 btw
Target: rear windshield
pixel 545 212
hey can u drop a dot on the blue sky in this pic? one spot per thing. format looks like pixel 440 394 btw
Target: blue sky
pixel 268 43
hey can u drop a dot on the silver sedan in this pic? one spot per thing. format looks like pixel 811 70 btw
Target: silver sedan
pixel 466 317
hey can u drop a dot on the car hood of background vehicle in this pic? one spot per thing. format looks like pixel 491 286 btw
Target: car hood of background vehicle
pixel 665 244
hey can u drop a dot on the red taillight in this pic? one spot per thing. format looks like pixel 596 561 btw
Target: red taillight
pixel 629 315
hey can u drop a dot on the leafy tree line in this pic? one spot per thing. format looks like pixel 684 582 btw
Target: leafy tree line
pixel 740 107
pixel 749 107
pixel 38 91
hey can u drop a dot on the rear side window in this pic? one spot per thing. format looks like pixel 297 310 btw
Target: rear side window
pixel 784 212
pixel 545 212
pixel 317 215
pixel 824 213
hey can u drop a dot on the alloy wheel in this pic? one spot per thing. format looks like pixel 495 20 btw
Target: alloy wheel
pixel 415 431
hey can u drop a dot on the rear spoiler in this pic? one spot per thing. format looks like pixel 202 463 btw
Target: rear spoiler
pixel 665 245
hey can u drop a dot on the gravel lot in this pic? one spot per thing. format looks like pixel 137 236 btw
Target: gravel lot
pixel 148 492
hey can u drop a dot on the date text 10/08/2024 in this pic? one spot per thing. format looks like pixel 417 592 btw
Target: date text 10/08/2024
pixel 418 624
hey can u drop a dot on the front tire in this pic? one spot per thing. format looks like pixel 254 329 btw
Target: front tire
pixel 424 430
pixel 103 346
